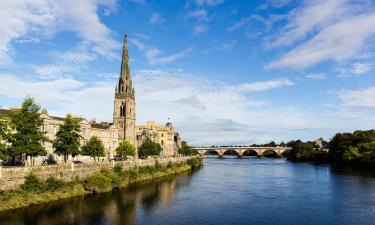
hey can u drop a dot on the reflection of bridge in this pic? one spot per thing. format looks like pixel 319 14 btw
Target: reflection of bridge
pixel 240 151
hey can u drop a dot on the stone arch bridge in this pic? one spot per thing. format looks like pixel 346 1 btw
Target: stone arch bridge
pixel 240 151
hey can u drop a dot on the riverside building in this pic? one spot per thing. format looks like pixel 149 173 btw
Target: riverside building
pixel 123 127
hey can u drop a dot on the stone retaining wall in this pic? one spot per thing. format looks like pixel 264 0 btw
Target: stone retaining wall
pixel 13 177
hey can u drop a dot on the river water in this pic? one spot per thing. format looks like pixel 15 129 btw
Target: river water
pixel 229 191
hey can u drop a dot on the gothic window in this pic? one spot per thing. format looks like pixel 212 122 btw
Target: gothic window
pixel 122 110
pixel 122 88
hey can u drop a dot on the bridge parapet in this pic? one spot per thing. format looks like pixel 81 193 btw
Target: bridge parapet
pixel 241 150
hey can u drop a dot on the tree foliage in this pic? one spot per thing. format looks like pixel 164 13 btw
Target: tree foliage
pixel 149 148
pixel 4 154
pixel 27 137
pixel 305 152
pixel 94 148
pixel 125 149
pixel 67 141
pixel 357 148
pixel 186 149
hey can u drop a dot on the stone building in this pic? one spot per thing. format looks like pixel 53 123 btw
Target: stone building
pixel 124 122
pixel 165 135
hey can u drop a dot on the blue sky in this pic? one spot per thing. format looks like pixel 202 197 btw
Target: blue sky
pixel 225 72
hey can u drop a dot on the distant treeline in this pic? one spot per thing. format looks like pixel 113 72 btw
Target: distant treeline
pixel 356 149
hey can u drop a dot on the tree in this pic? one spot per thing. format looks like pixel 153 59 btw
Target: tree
pixel 67 141
pixel 4 154
pixel 186 149
pixel 94 148
pixel 125 149
pixel 27 138
pixel 357 148
pixel 149 148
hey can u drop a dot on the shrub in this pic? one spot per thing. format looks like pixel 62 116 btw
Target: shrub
pixel 170 164
pixel 158 166
pixel 54 184
pixel 115 178
pixel 193 162
pixel 117 169
pixel 33 184
pixel 98 182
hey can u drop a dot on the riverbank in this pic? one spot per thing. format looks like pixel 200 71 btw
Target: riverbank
pixel 36 191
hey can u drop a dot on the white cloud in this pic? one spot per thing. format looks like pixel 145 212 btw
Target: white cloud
pixel 200 14
pixel 358 99
pixel 36 19
pixel 199 29
pixel 154 55
pixel 266 85
pixel 243 21
pixel 62 96
pixel 316 76
pixel 228 45
pixel 209 2
pixel 205 112
pixel 68 64
pixel 156 18
pixel 356 69
pixel 274 4
pixel 323 30
pixel 143 36
pixel 209 112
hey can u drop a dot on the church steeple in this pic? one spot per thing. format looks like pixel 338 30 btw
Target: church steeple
pixel 124 104
pixel 125 86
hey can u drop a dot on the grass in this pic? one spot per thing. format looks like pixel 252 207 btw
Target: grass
pixel 36 191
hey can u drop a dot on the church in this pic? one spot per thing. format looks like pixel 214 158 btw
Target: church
pixel 123 128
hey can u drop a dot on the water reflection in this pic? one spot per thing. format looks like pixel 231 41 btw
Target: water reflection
pixel 228 191
pixel 117 207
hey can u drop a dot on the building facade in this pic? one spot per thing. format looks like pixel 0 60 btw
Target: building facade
pixel 123 128
pixel 165 135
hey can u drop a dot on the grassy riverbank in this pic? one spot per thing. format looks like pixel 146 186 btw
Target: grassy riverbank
pixel 35 191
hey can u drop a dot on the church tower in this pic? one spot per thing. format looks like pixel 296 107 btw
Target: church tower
pixel 124 105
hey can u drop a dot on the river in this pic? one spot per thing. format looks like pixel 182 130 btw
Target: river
pixel 229 191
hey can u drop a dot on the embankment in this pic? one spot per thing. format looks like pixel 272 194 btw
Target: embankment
pixel 39 186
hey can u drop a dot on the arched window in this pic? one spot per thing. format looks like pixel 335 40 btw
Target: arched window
pixel 122 88
pixel 122 110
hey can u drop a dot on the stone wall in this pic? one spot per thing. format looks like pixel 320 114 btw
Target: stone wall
pixel 13 177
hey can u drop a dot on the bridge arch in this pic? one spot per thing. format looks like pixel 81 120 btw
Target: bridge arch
pixel 271 153
pixel 250 152
pixel 231 152
pixel 211 152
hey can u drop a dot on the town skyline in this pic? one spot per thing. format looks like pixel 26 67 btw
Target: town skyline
pixel 248 84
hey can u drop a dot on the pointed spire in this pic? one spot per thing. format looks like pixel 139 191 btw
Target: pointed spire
pixel 125 71
pixel 125 84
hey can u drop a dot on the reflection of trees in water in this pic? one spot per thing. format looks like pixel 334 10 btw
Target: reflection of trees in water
pixel 351 171
pixel 117 207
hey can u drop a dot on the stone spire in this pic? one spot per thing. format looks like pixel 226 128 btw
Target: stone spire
pixel 125 85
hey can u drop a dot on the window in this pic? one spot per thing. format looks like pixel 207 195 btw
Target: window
pixel 162 142
pixel 122 110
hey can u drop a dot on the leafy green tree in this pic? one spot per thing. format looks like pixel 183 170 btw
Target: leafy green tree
pixel 126 149
pixel 4 154
pixel 94 148
pixel 186 149
pixel 357 148
pixel 27 138
pixel 149 148
pixel 306 152
pixel 67 141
